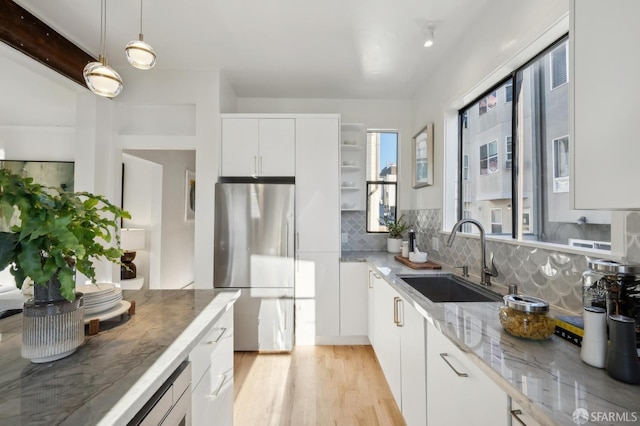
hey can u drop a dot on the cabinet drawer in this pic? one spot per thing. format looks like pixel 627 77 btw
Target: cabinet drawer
pixel 520 417
pixel 216 344
pixel 213 399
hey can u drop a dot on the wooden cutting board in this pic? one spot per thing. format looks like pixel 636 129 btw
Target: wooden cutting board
pixel 426 265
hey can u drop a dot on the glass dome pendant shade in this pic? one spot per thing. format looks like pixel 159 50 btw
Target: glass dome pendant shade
pixel 101 79
pixel 140 54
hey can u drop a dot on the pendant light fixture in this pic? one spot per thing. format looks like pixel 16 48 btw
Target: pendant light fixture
pixel 140 54
pixel 101 79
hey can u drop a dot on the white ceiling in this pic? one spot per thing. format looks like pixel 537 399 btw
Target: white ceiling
pixel 359 49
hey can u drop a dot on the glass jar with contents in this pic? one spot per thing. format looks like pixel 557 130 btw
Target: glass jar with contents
pixel 617 291
pixel 527 317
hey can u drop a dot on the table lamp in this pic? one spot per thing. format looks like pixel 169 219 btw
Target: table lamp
pixel 130 240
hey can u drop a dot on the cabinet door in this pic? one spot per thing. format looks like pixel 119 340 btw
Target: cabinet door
pixel 459 400
pixel 239 142
pixel 317 296
pixel 604 77
pixel 371 308
pixel 317 187
pixel 353 299
pixel 413 364
pixel 387 335
pixel 275 322
pixel 276 147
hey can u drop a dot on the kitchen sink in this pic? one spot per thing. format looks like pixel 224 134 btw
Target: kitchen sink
pixel 449 288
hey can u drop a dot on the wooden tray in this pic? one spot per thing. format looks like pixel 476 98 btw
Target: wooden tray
pixel 426 265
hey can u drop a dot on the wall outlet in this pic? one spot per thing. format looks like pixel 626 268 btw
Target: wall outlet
pixel 345 237
pixel 435 244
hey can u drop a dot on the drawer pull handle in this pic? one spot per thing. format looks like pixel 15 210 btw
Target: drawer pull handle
pixel 444 357
pixel 215 393
pixel 516 415
pixel 222 331
pixel 400 315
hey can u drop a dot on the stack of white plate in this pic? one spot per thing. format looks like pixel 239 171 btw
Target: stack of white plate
pixel 100 297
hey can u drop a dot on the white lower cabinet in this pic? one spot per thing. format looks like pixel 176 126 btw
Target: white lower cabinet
pixel 519 417
pixel 387 335
pixel 353 299
pixel 459 393
pixel 399 343
pixel 212 374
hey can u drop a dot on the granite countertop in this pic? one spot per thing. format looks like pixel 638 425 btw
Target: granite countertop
pixel 547 378
pixel 109 378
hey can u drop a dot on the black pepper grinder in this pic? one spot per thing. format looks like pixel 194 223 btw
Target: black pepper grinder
pixel 412 240
pixel 622 357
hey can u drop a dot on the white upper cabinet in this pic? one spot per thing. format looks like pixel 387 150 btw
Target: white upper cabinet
pixel 258 146
pixel 604 59
pixel 317 185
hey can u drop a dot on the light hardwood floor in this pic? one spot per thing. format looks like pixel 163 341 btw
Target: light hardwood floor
pixel 314 385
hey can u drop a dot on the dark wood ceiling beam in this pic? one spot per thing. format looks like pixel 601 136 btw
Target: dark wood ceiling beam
pixel 26 33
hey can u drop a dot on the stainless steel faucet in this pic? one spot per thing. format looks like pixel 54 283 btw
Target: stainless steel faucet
pixel 487 273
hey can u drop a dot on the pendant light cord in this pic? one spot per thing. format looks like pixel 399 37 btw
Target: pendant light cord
pixel 140 16
pixel 103 29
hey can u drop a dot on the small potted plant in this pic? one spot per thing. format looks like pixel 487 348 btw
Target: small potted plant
pixel 47 235
pixel 395 227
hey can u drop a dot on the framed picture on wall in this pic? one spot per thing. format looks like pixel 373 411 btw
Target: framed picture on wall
pixel 58 174
pixel 423 157
pixel 190 196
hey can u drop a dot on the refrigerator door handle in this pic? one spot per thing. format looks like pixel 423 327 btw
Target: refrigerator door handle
pixel 297 241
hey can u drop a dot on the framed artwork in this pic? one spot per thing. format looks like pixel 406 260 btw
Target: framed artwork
pixel 57 174
pixel 190 196
pixel 423 157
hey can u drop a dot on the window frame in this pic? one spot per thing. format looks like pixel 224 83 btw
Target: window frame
pixel 382 182
pixel 560 183
pixel 518 229
pixel 488 160
pixel 508 152
pixel 492 222
pixel 552 85
pixel 466 170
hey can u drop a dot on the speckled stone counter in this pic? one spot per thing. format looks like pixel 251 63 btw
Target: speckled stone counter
pixel 547 378
pixel 108 379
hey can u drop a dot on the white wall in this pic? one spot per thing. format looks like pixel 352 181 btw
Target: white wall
pixel 228 98
pixel 493 47
pixel 152 95
pixel 176 234
pixel 142 198
pixel 388 114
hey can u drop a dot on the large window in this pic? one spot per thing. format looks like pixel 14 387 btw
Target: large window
pixel 534 157
pixel 382 179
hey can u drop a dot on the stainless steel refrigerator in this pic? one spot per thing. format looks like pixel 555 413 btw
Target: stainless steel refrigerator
pixel 254 252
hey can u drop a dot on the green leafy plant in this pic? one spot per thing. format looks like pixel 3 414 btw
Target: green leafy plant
pixel 48 232
pixel 395 227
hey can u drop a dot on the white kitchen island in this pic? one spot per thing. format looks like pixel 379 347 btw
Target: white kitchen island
pixel 111 377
